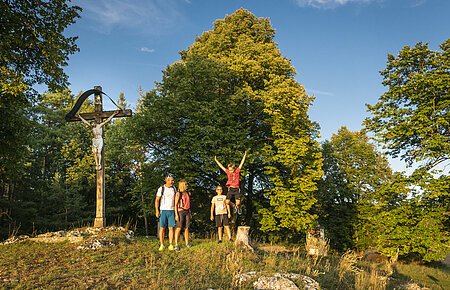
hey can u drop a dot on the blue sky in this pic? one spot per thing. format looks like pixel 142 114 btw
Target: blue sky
pixel 338 47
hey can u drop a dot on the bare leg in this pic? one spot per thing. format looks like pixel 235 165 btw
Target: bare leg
pixel 231 204
pixel 227 230
pixel 161 235
pixel 94 151
pixel 171 231
pixel 186 236
pixel 99 157
pixel 219 230
pixel 177 235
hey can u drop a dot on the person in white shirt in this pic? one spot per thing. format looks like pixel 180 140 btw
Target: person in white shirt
pixel 165 210
pixel 220 212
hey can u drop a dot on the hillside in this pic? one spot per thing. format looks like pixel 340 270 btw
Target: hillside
pixel 115 259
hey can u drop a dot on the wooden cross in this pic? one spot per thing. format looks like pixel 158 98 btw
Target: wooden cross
pixel 97 118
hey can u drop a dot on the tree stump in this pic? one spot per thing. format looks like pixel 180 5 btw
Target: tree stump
pixel 242 239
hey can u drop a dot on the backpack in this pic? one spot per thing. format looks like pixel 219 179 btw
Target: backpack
pixel 162 189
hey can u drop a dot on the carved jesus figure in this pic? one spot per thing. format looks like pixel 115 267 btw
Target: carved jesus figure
pixel 97 140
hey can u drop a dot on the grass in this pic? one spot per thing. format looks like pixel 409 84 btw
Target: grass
pixel 137 264
pixel 437 277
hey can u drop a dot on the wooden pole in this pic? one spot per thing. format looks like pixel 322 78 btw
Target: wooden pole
pixel 100 217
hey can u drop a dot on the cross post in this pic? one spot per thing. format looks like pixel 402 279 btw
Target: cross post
pixel 97 118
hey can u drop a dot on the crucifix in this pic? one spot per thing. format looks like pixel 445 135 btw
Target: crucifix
pixel 97 123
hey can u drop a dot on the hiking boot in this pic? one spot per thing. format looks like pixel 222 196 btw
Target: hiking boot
pixel 219 241
pixel 188 246
pixel 171 248
pixel 239 210
pixel 177 248
pixel 161 248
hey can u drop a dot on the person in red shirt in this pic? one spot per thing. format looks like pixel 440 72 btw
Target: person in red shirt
pixel 234 175
pixel 182 213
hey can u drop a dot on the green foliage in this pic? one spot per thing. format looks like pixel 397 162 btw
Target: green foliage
pixel 413 230
pixel 352 189
pixel 33 50
pixel 412 121
pixel 182 126
pixel 33 47
pixel 412 118
pixel 59 182
pixel 15 126
pixel 123 169
pixel 418 226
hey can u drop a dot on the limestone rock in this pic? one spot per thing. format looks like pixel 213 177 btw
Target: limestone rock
pixel 275 283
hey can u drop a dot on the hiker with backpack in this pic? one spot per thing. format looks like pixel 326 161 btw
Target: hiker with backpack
pixel 220 212
pixel 182 213
pixel 165 210
pixel 234 176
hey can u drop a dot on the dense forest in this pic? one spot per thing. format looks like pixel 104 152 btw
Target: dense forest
pixel 230 91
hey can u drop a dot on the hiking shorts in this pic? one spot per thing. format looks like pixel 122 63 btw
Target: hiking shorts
pixel 167 219
pixel 221 220
pixel 184 219
pixel 232 191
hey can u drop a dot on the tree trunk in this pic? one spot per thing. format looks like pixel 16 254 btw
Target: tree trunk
pixel 242 239
pixel 145 215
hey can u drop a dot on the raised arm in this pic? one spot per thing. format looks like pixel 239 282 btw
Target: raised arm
pixel 243 159
pixel 220 164
pixel 109 118
pixel 82 119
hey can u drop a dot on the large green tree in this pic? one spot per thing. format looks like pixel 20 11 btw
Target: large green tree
pixel 352 190
pixel 287 150
pixel 57 185
pixel 33 50
pixel 60 175
pixel 33 47
pixel 181 125
pixel 411 120
pixel 233 90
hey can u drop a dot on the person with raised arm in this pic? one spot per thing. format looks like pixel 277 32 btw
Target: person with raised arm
pixel 233 182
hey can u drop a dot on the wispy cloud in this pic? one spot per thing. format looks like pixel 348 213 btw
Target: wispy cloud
pixel 330 4
pixel 146 49
pixel 143 16
pixel 418 3
pixel 317 92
